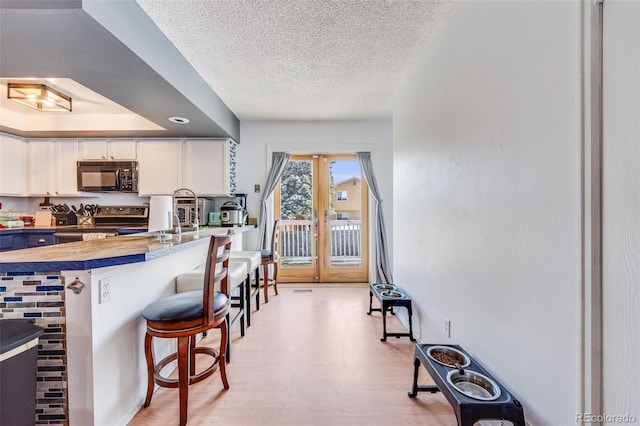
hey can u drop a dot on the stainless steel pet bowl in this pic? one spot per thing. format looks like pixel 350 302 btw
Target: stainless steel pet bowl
pixel 460 359
pixel 392 294
pixel 474 385
pixel 385 286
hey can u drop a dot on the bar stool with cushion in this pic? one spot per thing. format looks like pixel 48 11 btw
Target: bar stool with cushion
pixel 184 316
pixel 270 257
pixel 251 259
pixel 236 272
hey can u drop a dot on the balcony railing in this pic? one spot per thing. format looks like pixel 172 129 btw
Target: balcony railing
pixel 296 240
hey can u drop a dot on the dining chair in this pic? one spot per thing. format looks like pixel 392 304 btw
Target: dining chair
pixel 270 257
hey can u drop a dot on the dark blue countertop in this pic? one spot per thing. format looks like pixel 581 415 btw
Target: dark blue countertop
pixel 27 230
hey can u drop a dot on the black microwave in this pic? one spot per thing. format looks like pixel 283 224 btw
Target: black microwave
pixel 107 176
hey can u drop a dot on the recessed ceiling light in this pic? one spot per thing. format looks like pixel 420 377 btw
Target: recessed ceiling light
pixel 178 120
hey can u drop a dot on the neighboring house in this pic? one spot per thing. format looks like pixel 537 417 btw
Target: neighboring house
pixel 347 199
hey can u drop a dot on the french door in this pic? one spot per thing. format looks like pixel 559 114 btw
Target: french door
pixel 322 203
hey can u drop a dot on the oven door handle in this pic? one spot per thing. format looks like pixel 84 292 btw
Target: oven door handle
pixel 79 234
pixel 67 234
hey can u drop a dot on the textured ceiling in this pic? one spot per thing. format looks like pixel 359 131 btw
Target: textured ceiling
pixel 300 59
pixel 212 61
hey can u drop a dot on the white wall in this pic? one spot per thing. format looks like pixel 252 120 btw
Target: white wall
pixel 621 209
pixel 14 205
pixel 259 138
pixel 29 205
pixel 487 151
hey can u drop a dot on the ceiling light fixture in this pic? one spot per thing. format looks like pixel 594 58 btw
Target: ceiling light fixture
pixel 38 96
pixel 178 120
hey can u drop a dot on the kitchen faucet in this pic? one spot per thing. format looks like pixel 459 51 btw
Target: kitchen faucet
pixel 178 228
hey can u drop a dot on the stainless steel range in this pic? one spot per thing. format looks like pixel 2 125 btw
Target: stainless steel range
pixel 122 216
pixel 108 221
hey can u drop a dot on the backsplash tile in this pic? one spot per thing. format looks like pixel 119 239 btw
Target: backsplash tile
pixel 40 298
pixel 233 149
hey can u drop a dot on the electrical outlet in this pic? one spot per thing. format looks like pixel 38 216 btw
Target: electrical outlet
pixel 105 290
pixel 447 328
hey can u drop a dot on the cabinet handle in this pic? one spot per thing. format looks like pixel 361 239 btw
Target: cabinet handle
pixel 41 241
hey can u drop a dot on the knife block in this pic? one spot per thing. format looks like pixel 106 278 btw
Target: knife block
pixel 65 219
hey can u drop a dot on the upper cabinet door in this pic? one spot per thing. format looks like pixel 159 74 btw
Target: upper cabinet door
pixel 160 167
pixel 207 166
pixel 122 149
pixel 41 167
pixel 52 167
pixel 66 154
pixel 104 149
pixel 93 149
pixel 13 165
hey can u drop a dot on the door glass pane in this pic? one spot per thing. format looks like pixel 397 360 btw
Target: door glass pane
pixel 345 213
pixel 296 211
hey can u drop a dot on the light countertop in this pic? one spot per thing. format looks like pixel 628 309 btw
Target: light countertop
pixel 84 255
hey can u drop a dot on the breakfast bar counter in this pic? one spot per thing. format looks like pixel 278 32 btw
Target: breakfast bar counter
pixel 88 296
pixel 105 252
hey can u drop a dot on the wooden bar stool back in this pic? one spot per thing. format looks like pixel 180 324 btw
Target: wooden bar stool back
pixel 236 273
pixel 270 257
pixel 183 316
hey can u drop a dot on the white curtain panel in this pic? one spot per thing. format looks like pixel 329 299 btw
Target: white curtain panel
pixel 279 161
pixel 383 270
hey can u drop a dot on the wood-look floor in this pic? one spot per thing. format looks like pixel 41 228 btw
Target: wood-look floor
pixel 310 358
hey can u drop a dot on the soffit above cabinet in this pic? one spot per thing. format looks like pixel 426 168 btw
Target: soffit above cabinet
pixel 114 50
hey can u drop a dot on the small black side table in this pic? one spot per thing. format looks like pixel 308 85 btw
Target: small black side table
pixel 468 410
pixel 387 303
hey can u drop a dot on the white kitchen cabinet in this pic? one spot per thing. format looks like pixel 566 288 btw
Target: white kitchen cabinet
pixel 13 165
pixel 41 167
pixel 65 175
pixel 209 166
pixel 52 167
pixel 160 167
pixel 122 149
pixel 93 149
pixel 108 149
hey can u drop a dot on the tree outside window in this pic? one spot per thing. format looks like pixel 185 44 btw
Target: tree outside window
pixel 296 187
